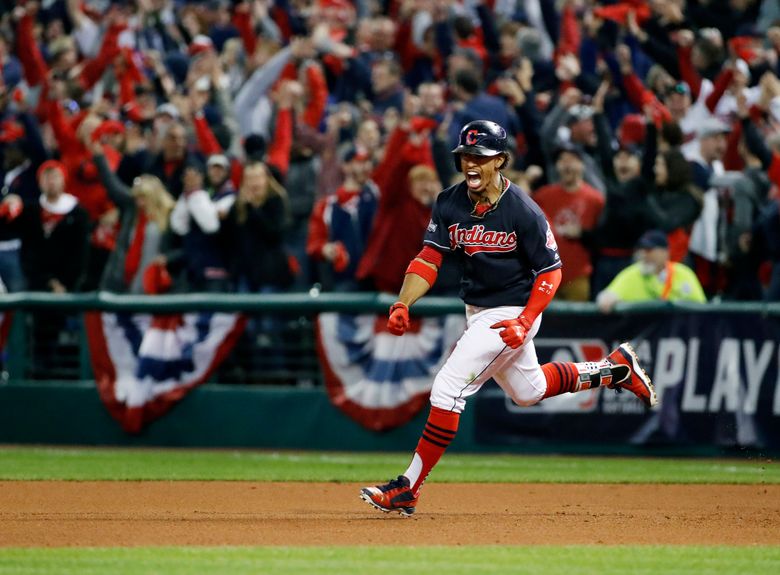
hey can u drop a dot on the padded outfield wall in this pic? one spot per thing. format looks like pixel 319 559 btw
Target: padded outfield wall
pixel 716 367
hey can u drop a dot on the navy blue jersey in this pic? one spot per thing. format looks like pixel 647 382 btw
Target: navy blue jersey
pixel 502 251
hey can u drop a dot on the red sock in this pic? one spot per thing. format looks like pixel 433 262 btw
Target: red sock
pixel 568 377
pixel 439 431
pixel 560 377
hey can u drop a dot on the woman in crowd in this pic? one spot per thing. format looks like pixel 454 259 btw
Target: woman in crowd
pixel 254 228
pixel 672 203
pixel 144 211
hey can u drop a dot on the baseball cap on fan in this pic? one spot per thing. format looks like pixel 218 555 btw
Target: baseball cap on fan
pixel 168 109
pixel 652 239
pixel 200 45
pixel 339 10
pixel 218 160
pixel 712 127
pixel 631 131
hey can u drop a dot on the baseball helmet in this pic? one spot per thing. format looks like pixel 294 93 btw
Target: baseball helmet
pixel 480 138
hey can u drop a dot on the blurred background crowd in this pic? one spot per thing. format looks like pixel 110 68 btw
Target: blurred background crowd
pixel 156 146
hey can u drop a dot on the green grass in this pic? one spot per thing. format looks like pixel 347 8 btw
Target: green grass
pixel 18 463
pixel 667 560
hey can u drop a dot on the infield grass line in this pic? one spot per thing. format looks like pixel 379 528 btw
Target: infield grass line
pixel 547 560
pixel 94 464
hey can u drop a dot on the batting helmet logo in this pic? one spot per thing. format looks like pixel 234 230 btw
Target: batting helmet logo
pixel 480 138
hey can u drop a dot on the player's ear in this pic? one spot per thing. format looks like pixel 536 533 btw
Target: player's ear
pixel 504 162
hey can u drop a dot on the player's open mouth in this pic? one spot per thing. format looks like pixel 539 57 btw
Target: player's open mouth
pixel 473 180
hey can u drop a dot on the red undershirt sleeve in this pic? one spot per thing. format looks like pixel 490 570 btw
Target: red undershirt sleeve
pixel 542 294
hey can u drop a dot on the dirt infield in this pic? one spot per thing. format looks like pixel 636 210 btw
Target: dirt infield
pixel 62 513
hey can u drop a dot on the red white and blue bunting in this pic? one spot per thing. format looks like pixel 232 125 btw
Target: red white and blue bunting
pixel 144 364
pixel 378 379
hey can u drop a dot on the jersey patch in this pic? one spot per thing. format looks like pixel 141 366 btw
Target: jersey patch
pixel 551 243
pixel 432 226
pixel 475 239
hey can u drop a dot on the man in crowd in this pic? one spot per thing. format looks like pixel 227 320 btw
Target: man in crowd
pixel 572 207
pixel 654 277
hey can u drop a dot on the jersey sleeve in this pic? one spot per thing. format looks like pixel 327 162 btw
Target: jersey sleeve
pixel 437 233
pixel 538 242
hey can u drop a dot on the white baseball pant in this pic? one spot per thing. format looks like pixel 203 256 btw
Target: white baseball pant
pixel 481 354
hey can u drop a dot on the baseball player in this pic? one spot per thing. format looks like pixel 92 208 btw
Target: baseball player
pixel 511 270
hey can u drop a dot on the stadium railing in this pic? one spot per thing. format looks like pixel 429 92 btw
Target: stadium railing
pixel 47 340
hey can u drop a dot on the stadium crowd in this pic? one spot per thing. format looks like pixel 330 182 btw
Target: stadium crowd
pixel 153 145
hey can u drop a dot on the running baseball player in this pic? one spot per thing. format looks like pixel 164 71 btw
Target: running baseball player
pixel 511 270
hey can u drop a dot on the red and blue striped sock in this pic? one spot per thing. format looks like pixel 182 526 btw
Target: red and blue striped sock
pixel 569 377
pixel 439 432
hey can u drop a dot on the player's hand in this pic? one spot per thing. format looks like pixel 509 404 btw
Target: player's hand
pixel 399 318
pixel 513 331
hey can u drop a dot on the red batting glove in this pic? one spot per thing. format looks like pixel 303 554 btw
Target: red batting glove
pixel 399 318
pixel 514 331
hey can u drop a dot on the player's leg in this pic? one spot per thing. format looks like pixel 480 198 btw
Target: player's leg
pixel 477 357
pixel 523 379
pixel 478 354
pixel 619 370
pixel 526 382
pixel 637 381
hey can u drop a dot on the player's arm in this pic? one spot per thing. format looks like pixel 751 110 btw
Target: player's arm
pixel 415 285
pixel 420 277
pixel 514 331
pixel 542 294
